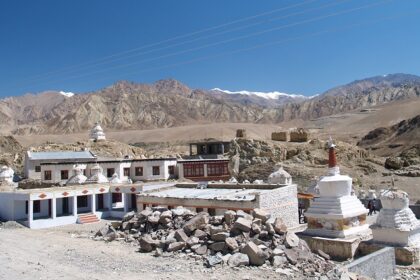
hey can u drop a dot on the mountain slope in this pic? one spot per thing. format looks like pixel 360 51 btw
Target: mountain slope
pixel 167 103
pixel 400 137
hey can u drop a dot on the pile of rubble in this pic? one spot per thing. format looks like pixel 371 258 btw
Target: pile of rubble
pixel 235 239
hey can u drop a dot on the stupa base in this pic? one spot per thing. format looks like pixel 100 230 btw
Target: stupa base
pixel 339 249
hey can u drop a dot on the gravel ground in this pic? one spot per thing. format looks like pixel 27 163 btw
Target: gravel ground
pixel 68 252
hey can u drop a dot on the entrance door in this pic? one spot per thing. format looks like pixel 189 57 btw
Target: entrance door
pixel 100 201
pixel 65 206
pixel 133 201
pixel 49 208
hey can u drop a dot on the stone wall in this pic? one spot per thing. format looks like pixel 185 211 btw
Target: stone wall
pixel 282 202
pixel 280 136
pixel 299 135
pixel 241 133
pixel 378 265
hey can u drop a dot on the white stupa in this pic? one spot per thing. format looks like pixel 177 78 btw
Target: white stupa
pixel 97 133
pixel 336 213
pixel 115 179
pixel 78 177
pixel 396 224
pixel 97 176
pixel 6 175
pixel 280 177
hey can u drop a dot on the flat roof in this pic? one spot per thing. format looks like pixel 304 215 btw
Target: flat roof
pixel 239 194
pixel 203 160
pixel 61 155
pixel 108 160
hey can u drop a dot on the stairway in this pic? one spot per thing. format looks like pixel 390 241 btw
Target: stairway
pixel 87 218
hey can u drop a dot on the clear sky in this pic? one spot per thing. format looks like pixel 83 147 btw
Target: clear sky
pixel 300 46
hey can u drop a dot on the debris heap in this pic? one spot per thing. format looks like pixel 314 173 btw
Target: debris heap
pixel 236 238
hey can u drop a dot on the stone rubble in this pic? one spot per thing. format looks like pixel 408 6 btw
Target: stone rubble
pixel 236 239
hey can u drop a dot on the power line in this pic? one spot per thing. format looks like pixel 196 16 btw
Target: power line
pixel 179 37
pixel 228 40
pixel 334 3
pixel 278 42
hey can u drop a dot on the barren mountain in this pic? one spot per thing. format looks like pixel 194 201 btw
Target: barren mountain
pixel 403 136
pixel 169 103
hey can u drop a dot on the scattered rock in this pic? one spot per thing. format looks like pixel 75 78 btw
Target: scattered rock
pixel 243 224
pixel 292 240
pixel 255 254
pixel 238 259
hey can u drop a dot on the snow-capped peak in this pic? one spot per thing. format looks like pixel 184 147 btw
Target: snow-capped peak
pixel 66 94
pixel 266 95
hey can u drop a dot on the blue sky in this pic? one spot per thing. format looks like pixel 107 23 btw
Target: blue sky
pixel 302 46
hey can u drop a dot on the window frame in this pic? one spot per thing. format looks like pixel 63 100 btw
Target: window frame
pixel 154 168
pixel 126 171
pixel 66 173
pixel 49 177
pixel 138 171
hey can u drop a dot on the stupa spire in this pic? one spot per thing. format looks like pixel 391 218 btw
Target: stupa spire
pixel 332 158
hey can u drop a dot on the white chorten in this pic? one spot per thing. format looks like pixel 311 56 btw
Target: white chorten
pixel 97 176
pixel 280 177
pixel 78 177
pixel 97 133
pixel 396 224
pixel 6 175
pixel 336 213
pixel 115 179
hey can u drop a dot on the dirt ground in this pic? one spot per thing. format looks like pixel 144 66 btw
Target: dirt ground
pixel 67 252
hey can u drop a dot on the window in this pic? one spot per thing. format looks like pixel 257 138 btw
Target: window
pixel 38 168
pixel 217 169
pixel 47 175
pixel 110 172
pixel 139 171
pixel 156 170
pixel 36 207
pixel 194 170
pixel 82 201
pixel 64 174
pixel 171 170
pixel 127 172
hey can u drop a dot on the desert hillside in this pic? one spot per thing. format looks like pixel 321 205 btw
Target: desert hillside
pixel 169 103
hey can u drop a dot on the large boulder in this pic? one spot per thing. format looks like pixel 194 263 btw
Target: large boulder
pixel 147 244
pixel 199 221
pixel 255 254
pixel 243 224
pixel 261 214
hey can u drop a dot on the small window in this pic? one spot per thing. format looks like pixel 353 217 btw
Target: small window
pixel 139 171
pixel 47 175
pixel 64 174
pixel 156 170
pixel 110 172
pixel 38 168
pixel 127 172
pixel 212 211
pixel 171 170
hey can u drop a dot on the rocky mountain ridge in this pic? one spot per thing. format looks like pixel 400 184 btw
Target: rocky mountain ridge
pixel 168 103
